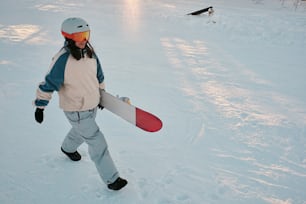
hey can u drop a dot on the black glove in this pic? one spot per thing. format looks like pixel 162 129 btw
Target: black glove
pixel 39 115
pixel 100 107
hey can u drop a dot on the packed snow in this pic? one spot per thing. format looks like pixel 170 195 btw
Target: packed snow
pixel 230 89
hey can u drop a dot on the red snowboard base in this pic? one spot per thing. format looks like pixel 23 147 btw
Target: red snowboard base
pixel 147 121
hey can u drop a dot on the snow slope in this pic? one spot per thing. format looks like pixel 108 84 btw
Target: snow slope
pixel 229 88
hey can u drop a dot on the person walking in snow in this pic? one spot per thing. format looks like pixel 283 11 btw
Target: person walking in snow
pixel 76 74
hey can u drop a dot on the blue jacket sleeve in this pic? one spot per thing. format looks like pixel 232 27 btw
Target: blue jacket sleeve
pixel 100 74
pixel 53 80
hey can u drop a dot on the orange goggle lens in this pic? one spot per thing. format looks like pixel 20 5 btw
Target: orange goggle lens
pixel 78 37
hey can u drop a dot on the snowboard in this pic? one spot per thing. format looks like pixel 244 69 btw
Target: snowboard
pixel 132 114
pixel 200 11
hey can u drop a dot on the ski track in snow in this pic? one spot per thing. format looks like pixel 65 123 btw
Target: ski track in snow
pixel 216 85
pixel 234 117
pixel 245 114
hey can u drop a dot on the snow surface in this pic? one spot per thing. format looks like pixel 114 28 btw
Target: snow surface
pixel 229 88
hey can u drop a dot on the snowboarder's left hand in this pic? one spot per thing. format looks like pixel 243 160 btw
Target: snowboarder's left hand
pixel 39 115
pixel 100 107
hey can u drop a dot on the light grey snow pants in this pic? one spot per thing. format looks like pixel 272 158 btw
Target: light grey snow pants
pixel 85 128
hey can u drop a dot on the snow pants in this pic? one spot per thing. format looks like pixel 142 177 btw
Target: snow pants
pixel 85 129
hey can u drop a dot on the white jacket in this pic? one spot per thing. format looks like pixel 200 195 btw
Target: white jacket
pixel 77 82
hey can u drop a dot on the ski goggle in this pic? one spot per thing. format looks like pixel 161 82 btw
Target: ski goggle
pixel 78 37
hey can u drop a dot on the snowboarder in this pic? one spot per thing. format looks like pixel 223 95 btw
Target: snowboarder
pixel 76 74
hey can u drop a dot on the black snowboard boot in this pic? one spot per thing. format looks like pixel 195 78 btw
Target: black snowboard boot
pixel 74 156
pixel 118 184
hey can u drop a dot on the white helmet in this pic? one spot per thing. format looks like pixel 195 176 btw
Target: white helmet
pixel 74 25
